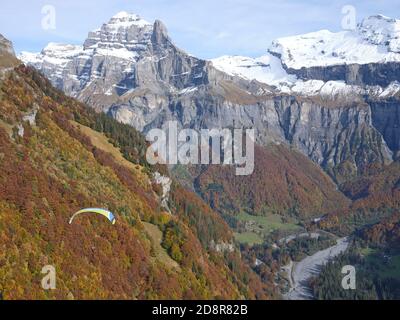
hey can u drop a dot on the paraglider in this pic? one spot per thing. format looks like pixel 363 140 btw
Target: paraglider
pixel 108 214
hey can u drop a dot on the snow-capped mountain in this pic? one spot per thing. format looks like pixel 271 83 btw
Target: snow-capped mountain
pixel 332 96
pixel 122 54
pixel 292 63
pixel 375 40
pixel 125 54
pixel 125 37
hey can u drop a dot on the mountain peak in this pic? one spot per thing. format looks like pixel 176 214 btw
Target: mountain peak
pixel 381 30
pixel 380 17
pixel 379 21
pixel 124 14
pixel 123 29
pixel 125 19
pixel 160 34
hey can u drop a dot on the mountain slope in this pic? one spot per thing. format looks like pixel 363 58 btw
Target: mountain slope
pixel 56 157
pixel 284 182
pixel 375 195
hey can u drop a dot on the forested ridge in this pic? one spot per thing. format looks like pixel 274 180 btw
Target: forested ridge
pixel 284 182
pixel 375 195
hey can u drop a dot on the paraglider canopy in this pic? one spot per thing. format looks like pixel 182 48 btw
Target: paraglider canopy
pixel 108 214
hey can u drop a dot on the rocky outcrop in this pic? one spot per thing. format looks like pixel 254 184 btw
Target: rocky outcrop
pixel 6 46
pixel 7 56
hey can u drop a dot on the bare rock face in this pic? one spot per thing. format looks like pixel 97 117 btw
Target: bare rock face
pixel 371 74
pixel 386 119
pixel 342 116
pixel 160 38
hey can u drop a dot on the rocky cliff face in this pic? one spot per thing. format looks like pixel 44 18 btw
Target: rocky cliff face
pixel 332 107
pixel 371 74
pixel 386 119
pixel 117 60
pixel 343 139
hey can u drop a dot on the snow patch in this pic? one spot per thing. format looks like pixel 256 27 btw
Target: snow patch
pixel 391 90
pixel 188 90
pixel 267 69
pixel 121 53
pixel 124 19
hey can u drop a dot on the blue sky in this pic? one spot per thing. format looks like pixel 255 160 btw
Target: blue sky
pixel 207 28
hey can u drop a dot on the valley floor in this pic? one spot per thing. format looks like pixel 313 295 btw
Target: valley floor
pixel 300 272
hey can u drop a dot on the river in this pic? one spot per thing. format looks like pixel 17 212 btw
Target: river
pixel 300 272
